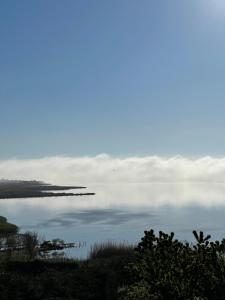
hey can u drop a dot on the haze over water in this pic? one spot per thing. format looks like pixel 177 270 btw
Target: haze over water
pixel 132 195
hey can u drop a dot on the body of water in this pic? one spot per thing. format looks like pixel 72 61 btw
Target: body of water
pixel 121 212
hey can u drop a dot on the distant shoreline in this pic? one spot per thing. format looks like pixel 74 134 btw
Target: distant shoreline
pixel 14 189
pixel 45 195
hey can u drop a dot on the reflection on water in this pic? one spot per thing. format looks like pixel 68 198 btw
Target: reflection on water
pixel 122 212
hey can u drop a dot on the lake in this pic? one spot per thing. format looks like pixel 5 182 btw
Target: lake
pixel 121 212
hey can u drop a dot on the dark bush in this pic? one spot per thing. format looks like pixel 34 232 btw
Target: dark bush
pixel 168 269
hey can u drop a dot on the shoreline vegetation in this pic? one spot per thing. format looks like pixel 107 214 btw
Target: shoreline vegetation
pixel 159 267
pixel 10 189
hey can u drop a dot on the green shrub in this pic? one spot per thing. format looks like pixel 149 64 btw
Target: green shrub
pixel 166 268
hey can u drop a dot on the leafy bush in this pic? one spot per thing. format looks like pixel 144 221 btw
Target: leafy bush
pixel 166 268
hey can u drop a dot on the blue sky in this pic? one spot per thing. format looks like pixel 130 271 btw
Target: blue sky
pixel 122 77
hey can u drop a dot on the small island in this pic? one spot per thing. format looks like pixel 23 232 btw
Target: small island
pixel 10 189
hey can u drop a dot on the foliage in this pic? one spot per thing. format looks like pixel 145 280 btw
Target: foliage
pixel 7 228
pixel 92 279
pixel 166 268
pixel 160 267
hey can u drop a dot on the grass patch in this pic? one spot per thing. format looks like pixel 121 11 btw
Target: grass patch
pixel 110 249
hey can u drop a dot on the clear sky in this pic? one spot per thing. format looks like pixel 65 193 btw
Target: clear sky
pixel 124 77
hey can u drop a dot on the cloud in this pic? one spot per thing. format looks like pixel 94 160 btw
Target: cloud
pixel 123 183
pixel 106 169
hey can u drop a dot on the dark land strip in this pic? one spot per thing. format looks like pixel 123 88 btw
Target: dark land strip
pixel 10 189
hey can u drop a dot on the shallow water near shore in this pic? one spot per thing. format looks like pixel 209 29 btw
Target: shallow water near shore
pixel 121 212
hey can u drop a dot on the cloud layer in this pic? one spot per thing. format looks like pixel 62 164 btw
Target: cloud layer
pixel 106 169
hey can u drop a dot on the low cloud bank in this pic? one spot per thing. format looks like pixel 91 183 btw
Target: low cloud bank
pixel 106 169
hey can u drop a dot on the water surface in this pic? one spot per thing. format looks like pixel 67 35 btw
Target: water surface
pixel 121 212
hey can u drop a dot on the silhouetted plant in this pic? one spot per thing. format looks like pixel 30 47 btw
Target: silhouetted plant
pixel 30 243
pixel 200 237
pixel 110 249
pixel 168 269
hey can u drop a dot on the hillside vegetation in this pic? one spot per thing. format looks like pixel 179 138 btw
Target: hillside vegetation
pixel 159 267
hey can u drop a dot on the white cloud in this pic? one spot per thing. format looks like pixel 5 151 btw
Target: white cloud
pixel 107 169
pixel 129 182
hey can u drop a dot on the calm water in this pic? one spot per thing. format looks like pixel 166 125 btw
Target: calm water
pixel 122 212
